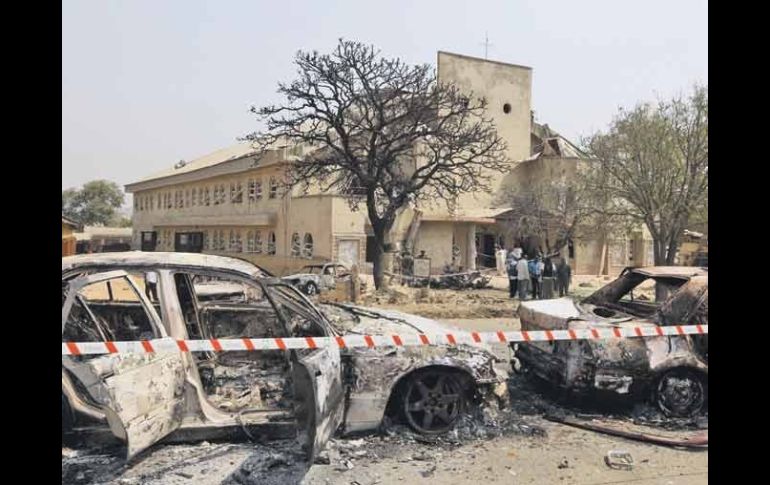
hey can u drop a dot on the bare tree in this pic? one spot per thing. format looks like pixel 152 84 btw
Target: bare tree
pixel 651 167
pixel 385 133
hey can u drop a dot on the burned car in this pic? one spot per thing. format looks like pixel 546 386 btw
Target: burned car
pixel 671 370
pixel 311 393
pixel 314 278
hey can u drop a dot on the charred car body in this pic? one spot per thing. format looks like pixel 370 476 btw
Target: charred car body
pixel 145 397
pixel 672 370
pixel 314 278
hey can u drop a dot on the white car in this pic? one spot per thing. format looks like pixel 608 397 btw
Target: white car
pixel 315 278
pixel 311 393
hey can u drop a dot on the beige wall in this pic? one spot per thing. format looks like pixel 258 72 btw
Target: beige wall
pixel 500 84
pixel 435 238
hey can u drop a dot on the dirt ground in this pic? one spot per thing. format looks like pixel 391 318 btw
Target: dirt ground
pixel 512 445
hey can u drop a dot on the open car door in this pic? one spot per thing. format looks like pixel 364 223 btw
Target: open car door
pixel 318 393
pixel 140 394
pixel 316 372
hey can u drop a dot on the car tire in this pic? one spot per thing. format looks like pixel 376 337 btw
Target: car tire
pixel 433 400
pixel 681 393
pixel 311 288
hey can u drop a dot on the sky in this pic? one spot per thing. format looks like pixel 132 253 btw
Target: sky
pixel 148 83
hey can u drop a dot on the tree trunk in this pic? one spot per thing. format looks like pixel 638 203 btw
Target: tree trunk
pixel 379 265
pixel 380 231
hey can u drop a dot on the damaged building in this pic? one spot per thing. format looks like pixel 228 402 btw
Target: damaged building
pixel 231 203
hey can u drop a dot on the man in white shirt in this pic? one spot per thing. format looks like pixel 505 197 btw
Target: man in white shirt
pixel 522 274
pixel 151 285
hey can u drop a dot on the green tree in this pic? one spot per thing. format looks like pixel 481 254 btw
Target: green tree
pixel 95 204
pixel 651 167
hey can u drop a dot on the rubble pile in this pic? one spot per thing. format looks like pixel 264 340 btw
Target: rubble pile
pixel 281 463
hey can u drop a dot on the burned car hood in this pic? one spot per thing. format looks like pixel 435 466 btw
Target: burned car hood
pixel 377 321
pixel 557 314
pixel 478 360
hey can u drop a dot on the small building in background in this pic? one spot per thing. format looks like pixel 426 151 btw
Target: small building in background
pixel 100 239
pixel 68 239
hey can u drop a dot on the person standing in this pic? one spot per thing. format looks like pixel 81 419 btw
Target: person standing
pixel 151 285
pixel 564 275
pixel 510 266
pixel 522 275
pixel 548 279
pixel 534 276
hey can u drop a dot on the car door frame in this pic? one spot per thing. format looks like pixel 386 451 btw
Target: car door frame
pixel 139 419
pixel 318 385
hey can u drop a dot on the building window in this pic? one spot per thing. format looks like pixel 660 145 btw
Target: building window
pixel 206 241
pixel 250 242
pixel 271 243
pixel 506 108
pixel 205 196
pixel 307 246
pixel 258 242
pixel 255 190
pixel 169 201
pixel 152 202
pixel 158 203
pixel 236 193
pixel 236 246
pixel 194 197
pixel 218 242
pixel 219 194
pixel 187 198
pixel 254 242
pixel 295 246
pixel 273 188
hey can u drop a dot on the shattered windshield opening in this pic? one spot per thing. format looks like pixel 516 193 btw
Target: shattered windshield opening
pixel 311 269
pixel 303 318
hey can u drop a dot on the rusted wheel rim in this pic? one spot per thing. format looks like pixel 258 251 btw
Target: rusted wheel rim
pixel 681 393
pixel 433 402
pixel 311 289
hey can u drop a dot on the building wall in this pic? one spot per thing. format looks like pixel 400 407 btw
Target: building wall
pixel 501 84
pixel 241 226
pixel 435 238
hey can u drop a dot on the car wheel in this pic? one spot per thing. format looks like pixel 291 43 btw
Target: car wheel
pixel 433 401
pixel 681 393
pixel 311 288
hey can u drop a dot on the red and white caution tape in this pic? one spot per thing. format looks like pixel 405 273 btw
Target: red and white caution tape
pixel 371 341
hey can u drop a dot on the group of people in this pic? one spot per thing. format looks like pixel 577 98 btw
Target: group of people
pixel 536 275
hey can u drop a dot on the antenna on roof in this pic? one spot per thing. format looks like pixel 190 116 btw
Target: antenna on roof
pixel 486 45
pixel 180 164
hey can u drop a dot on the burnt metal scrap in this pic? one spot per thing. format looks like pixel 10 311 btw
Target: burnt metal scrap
pixel 317 391
pixel 672 370
pixel 698 440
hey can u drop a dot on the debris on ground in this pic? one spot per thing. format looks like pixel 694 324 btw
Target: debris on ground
pixel 619 460
pixel 694 441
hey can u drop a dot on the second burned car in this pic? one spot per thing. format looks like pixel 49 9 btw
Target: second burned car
pixel 672 371
pixel 145 397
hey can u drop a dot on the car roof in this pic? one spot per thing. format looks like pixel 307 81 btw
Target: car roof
pixel 671 271
pixel 147 260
